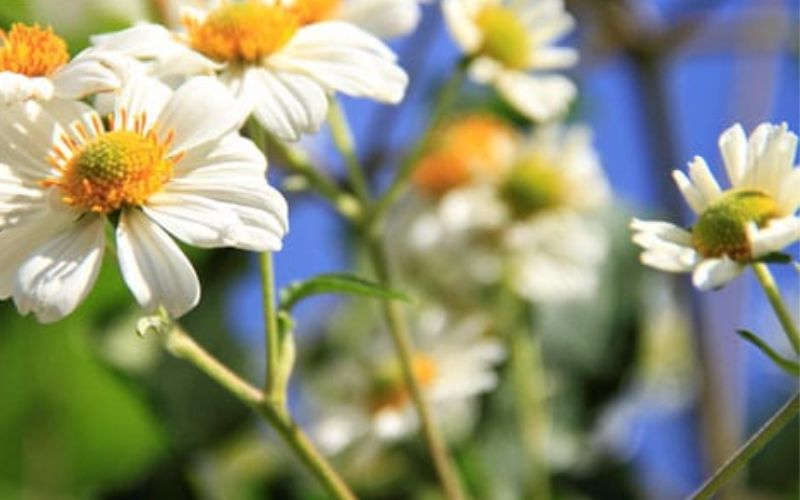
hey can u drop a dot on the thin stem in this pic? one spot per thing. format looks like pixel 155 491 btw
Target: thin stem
pixel 343 139
pixel 182 346
pixel 749 449
pixel 271 334
pixel 444 100
pixel 448 475
pixel 776 300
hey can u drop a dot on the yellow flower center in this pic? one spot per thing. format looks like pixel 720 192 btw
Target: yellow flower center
pixel 243 32
pixel 504 37
pixel 533 184
pixel 113 169
pixel 31 50
pixel 465 149
pixel 721 230
pixel 390 390
pixel 314 11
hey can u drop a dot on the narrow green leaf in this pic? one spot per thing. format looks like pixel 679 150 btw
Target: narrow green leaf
pixel 336 283
pixel 790 367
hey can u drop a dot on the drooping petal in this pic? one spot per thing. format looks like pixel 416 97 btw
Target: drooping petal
pixel 93 71
pixel 16 88
pixel 776 236
pixel 59 274
pixel 664 230
pixel 155 269
pixel 343 58
pixel 539 98
pixel 382 18
pixel 714 273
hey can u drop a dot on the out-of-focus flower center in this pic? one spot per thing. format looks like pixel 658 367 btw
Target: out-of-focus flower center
pixel 31 50
pixel 504 37
pixel 111 170
pixel 466 149
pixel 243 32
pixel 721 230
pixel 533 184
pixel 390 391
pixel 314 11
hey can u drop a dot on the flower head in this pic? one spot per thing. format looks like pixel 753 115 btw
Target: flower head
pixel 35 64
pixel 279 65
pixel 755 216
pixel 510 43
pixel 159 163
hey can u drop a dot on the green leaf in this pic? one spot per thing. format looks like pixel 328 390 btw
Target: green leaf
pixel 790 367
pixel 336 283
pixel 775 258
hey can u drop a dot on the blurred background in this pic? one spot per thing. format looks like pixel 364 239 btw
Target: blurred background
pixel 654 386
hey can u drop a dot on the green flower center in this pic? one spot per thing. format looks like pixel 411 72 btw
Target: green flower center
pixel 504 37
pixel 532 185
pixel 721 230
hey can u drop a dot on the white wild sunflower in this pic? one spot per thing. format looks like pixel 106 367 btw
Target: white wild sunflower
pixel 35 64
pixel 511 46
pixel 160 164
pixel 281 69
pixel 754 217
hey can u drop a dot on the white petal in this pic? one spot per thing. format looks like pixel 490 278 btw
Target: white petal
pixel 59 274
pixel 664 230
pixel 703 179
pixel 285 104
pixel 540 98
pixel 153 266
pixel 16 88
pixel 462 26
pixel 382 18
pixel 552 58
pixel 714 273
pixel 93 71
pixel 691 194
pixel 777 235
pixel 232 155
pixel 343 58
pixel 733 146
pixel 789 197
pixel 20 199
pixel 142 95
pixel 201 110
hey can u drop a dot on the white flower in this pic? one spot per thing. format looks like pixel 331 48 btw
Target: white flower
pixel 453 365
pixel 35 64
pixel 510 42
pixel 164 163
pixel 527 226
pixel 382 18
pixel 735 226
pixel 279 69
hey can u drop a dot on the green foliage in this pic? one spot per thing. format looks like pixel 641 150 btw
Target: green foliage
pixel 336 283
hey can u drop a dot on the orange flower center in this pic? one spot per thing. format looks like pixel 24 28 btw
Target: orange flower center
pixel 390 390
pixel 314 11
pixel 466 149
pixel 243 32
pixel 113 169
pixel 31 50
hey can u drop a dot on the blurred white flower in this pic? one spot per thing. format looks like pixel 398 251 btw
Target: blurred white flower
pixel 279 69
pixel 511 43
pixel 754 217
pixel 382 18
pixel 527 223
pixel 162 162
pixel 35 64
pixel 453 364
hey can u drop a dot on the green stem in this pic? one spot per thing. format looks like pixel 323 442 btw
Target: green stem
pixel 774 295
pixel 273 391
pixel 749 449
pixel 182 346
pixel 343 139
pixel 444 100
pixel 448 475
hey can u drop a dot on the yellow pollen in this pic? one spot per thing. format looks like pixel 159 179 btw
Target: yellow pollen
pixel 114 169
pixel 390 390
pixel 243 32
pixel 533 184
pixel 464 150
pixel 504 37
pixel 314 11
pixel 721 230
pixel 31 50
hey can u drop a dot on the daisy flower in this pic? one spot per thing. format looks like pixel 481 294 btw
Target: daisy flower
pixel 453 364
pixel 280 69
pixel 511 46
pixel 527 224
pixel 161 164
pixel 35 64
pixel 754 217
pixel 382 18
